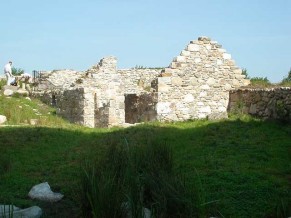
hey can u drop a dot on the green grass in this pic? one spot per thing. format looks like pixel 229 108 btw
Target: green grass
pixel 286 83
pixel 243 164
pixel 20 110
pixel 261 82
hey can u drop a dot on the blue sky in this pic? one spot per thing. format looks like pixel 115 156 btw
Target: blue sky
pixel 70 34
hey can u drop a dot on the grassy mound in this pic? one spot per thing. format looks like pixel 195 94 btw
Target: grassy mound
pixel 241 166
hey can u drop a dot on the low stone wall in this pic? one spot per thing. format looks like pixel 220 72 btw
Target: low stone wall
pixel 62 79
pixel 274 103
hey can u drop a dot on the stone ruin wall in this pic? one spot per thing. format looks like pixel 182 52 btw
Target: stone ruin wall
pixel 137 81
pixel 140 100
pixel 70 105
pixel 62 79
pixel 197 83
pixel 140 108
pixel 270 103
pixel 109 93
pixel 51 84
pixel 98 95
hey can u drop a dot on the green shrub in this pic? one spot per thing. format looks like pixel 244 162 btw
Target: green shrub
pixel 2 83
pixel 17 71
pixel 285 83
pixel 287 80
pixel 245 72
pixel 282 111
pixel 260 81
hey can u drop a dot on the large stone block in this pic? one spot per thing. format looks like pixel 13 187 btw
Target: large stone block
pixel 222 109
pixel 246 82
pixel 205 87
pixel 211 81
pixel 163 107
pixel 8 92
pixel 204 38
pixel 177 81
pixel 181 59
pixel 2 119
pixel 219 62
pixel 237 71
pixel 236 83
pixel 205 109
pixel 174 65
pixel 197 60
pixel 193 47
pixel 168 71
pixel 227 86
pixel 226 56
pixel 185 53
pixel 163 88
pixel 208 47
pixel 12 211
pixel 202 116
pixel 164 80
pixel 253 109
pixel 202 94
pixel 188 98
pixel 194 81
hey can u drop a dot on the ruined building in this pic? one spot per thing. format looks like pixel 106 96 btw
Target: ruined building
pixel 195 85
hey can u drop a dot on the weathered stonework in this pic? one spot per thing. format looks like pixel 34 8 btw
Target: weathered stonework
pixel 195 85
pixel 140 108
pixel 138 81
pixel 271 103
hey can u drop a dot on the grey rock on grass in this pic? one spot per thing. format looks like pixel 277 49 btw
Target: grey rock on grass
pixel 43 192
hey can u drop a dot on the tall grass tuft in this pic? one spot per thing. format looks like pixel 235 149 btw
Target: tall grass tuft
pixel 5 164
pixel 2 83
pixel 102 185
pixel 6 211
pixel 132 178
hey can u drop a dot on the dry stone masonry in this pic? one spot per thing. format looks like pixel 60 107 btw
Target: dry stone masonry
pixel 195 85
pixel 271 103
pixel 138 81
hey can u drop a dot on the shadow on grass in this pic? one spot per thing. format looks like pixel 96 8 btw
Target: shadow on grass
pixel 244 166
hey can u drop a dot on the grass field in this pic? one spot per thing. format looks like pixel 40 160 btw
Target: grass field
pixel 243 164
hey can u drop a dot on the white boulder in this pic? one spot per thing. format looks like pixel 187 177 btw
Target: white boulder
pixel 43 192
pixel 15 212
pixel 3 119
pixel 8 92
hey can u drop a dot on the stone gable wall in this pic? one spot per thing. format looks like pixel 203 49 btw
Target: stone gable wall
pixel 270 103
pixel 197 83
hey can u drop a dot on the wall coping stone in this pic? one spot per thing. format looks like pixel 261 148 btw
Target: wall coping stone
pixel 260 89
